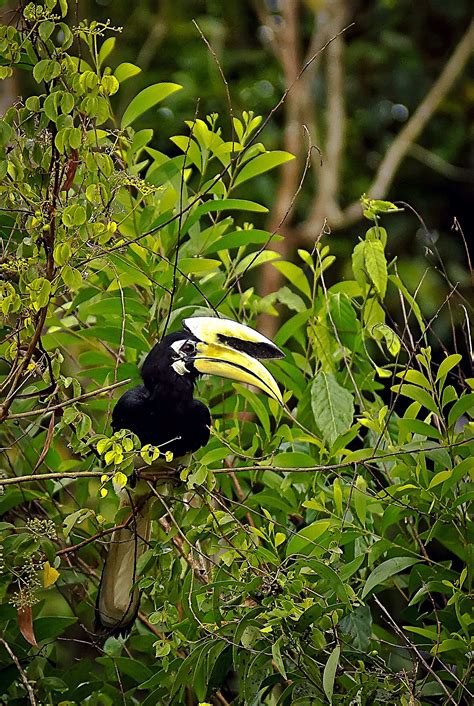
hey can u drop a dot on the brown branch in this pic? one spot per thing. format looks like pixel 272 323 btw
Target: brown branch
pixel 326 204
pixel 66 403
pixel 103 533
pixel 278 469
pixel 404 140
pixel 51 476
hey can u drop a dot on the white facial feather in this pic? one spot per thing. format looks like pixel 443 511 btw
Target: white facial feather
pixel 179 366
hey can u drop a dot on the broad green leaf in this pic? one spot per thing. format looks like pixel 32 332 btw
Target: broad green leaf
pixel 342 315
pixel 217 205
pixel 327 573
pixel 290 299
pixel 358 625
pixel 462 406
pixel 46 29
pixel 386 570
pixel 295 275
pixel 332 405
pixel 46 70
pixel 448 364
pixel 418 394
pixel 329 673
pixel 125 71
pixel 292 327
pixel 416 377
pixel 198 265
pixel 146 99
pixel 292 459
pixel 440 478
pixel 307 536
pixel 358 265
pixel 106 49
pixel 249 262
pixel 190 148
pixel 276 653
pixel 360 499
pixel 416 426
pixel 113 334
pixel 239 238
pixel 48 628
pixel 262 163
pixel 376 265
pixel 76 518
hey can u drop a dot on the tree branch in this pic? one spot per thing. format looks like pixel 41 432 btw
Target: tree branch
pixel 326 204
pixel 404 140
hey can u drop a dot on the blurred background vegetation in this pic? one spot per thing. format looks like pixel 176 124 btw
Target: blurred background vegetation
pixel 359 93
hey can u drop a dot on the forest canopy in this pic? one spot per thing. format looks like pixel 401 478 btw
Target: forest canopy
pixel 318 548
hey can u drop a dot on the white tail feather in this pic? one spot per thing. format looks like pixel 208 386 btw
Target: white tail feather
pixel 118 599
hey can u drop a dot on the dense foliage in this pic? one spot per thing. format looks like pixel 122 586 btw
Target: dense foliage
pixel 312 554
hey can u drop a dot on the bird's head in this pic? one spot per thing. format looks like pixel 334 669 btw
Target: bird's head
pixel 213 346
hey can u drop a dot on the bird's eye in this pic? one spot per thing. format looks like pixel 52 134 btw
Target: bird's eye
pixel 188 348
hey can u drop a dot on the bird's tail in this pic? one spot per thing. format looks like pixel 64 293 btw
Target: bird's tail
pixel 118 599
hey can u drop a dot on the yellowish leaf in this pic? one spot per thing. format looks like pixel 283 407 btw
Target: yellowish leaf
pixel 50 574
pixel 120 479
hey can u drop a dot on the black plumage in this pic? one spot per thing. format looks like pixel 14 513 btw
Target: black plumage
pixel 162 411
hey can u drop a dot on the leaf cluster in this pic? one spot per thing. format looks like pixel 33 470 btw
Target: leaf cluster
pixel 309 554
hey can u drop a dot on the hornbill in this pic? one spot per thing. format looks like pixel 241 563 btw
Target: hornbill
pixel 164 413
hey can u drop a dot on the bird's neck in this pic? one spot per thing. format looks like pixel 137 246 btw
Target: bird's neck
pixel 174 390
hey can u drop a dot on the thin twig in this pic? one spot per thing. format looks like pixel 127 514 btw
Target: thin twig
pixel 23 676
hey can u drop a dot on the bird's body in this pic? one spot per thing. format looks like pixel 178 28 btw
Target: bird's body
pixel 163 412
pixel 167 419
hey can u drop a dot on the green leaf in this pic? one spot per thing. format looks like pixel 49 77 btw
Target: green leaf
pixel 62 253
pixel 360 499
pixel 106 49
pixel 239 238
pixel 462 406
pixel 46 29
pixel 358 625
pixel 327 573
pixel 290 299
pixel 47 628
pixel 416 377
pixel 344 318
pixel 448 364
pixel 358 264
pixel 418 394
pixel 262 163
pixel 440 478
pixel 276 653
pixel 125 71
pixel 332 405
pixel 295 275
pixel 329 673
pixel 306 537
pixel 112 334
pixel 254 260
pixel 46 70
pixel 198 265
pixel 376 265
pixel 217 205
pixel 416 426
pixel 386 570
pixel 146 99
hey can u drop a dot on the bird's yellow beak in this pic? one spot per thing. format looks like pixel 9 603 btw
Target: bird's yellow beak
pixel 231 350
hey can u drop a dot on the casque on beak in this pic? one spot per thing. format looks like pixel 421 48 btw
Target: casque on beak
pixel 232 350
